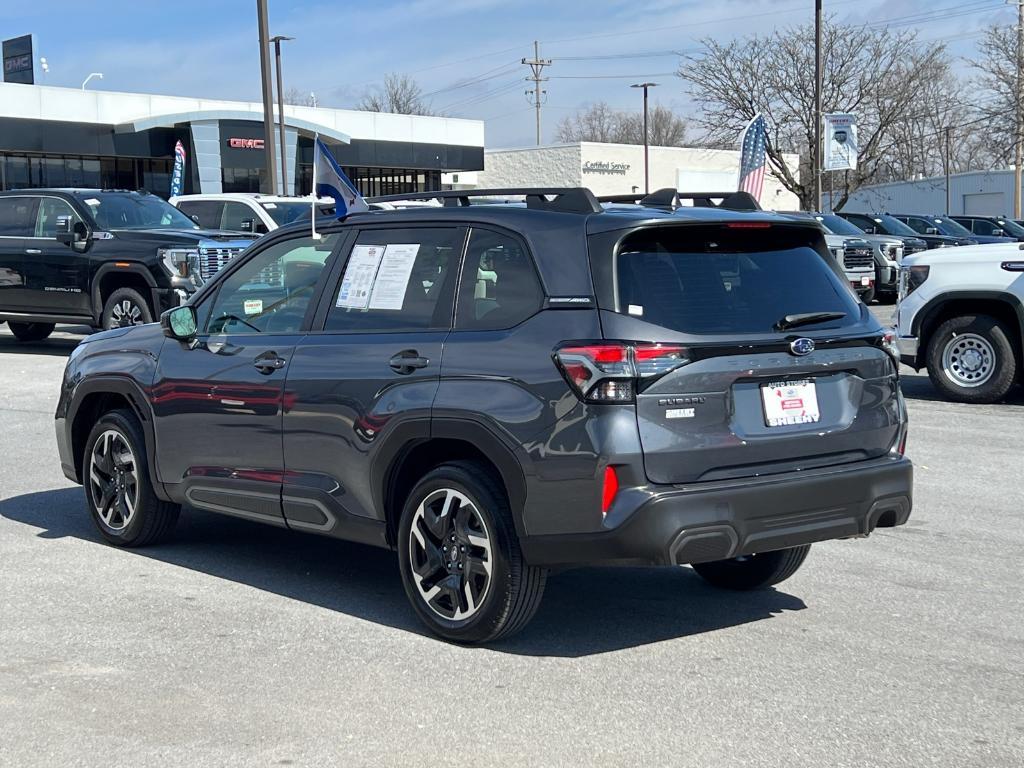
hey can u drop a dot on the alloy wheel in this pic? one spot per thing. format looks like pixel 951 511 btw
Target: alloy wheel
pixel 450 554
pixel 968 360
pixel 126 313
pixel 114 480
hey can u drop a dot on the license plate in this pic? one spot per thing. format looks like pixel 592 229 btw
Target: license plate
pixel 790 402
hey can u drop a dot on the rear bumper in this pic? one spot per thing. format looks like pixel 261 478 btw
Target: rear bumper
pixel 678 525
pixel 908 347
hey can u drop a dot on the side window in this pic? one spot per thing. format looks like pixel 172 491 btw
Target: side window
pixel 271 292
pixel 980 227
pixel 918 225
pixel 861 221
pixel 239 217
pixel 46 220
pixel 398 280
pixel 499 286
pixel 17 216
pixel 208 212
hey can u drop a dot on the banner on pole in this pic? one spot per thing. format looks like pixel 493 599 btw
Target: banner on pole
pixel 840 142
pixel 178 174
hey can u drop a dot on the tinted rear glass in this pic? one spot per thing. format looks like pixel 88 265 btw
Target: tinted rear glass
pixel 718 281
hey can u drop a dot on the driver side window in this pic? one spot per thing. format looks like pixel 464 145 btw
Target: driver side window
pixel 271 292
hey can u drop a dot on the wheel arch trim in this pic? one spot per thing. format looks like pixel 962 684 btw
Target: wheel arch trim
pixel 924 323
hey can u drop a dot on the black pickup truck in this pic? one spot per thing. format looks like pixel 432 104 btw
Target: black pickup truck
pixel 102 258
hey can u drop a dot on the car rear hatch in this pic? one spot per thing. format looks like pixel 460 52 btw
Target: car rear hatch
pixel 765 383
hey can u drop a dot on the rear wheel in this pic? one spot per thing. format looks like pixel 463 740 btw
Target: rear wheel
pixel 459 556
pixel 30 331
pixel 120 495
pixel 754 571
pixel 125 307
pixel 971 359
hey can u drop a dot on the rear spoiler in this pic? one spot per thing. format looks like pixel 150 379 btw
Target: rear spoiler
pixel 669 199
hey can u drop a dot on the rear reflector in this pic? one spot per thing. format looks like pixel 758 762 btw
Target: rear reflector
pixel 610 488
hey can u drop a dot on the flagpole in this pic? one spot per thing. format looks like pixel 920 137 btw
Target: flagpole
pixel 312 192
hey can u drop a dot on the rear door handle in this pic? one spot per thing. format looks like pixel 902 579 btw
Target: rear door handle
pixel 33 251
pixel 407 361
pixel 269 362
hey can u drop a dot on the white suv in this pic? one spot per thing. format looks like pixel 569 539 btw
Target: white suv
pixel 961 316
pixel 245 211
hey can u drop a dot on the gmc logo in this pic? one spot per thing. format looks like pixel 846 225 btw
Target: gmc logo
pixel 245 143
pixel 21 63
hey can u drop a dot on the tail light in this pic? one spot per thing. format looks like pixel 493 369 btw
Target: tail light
pixel 613 372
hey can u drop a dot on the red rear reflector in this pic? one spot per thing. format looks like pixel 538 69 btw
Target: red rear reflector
pixel 611 487
pixel 749 225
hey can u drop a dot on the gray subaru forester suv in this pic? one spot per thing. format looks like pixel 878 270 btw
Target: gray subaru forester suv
pixel 496 390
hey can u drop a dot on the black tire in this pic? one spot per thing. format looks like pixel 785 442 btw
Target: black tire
pixel 993 351
pixel 754 571
pixel 151 519
pixel 30 331
pixel 125 307
pixel 868 296
pixel 514 589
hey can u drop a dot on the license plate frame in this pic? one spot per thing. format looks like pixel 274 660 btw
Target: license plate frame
pixel 790 403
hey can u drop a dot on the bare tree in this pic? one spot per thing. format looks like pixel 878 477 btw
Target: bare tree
pixel 601 123
pixel 995 92
pixel 399 94
pixel 876 74
pixel 298 97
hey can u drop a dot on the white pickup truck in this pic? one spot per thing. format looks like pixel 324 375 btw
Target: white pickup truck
pixel 961 316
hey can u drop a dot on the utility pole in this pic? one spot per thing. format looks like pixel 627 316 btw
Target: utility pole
pixel 268 100
pixel 537 65
pixel 276 40
pixel 647 169
pixel 816 154
pixel 948 130
pixel 1018 119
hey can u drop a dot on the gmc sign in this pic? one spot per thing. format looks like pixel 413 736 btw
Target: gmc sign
pixel 236 143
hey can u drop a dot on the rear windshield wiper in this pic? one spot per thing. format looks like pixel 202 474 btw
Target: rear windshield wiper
pixel 807 318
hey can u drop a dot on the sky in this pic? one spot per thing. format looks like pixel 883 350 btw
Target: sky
pixel 464 53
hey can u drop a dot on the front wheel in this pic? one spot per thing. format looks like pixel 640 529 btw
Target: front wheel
pixel 971 359
pixel 459 556
pixel 30 331
pixel 117 486
pixel 125 307
pixel 754 571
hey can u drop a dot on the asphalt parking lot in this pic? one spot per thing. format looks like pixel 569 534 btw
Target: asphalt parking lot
pixel 242 645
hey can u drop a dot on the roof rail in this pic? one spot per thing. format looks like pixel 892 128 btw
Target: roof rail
pixel 559 199
pixel 670 199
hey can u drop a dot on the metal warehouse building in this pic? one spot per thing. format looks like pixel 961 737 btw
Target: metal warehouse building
pixel 981 193
pixel 67 137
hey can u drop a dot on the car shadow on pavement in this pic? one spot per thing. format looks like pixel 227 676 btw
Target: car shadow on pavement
pixel 917 386
pixel 584 612
pixel 57 347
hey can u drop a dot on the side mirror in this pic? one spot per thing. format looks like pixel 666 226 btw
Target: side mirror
pixel 179 323
pixel 65 230
pixel 871 230
pixel 998 233
pixel 247 225
pixel 931 231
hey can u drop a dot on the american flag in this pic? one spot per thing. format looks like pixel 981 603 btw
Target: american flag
pixel 752 157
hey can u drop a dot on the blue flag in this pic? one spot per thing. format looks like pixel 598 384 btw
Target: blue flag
pixel 178 174
pixel 330 181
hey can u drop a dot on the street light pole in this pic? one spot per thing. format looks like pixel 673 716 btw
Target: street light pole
pixel 816 154
pixel 647 170
pixel 268 98
pixel 276 40
pixel 90 77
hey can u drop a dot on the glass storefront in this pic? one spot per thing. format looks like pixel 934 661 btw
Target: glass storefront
pixel 372 182
pixel 25 171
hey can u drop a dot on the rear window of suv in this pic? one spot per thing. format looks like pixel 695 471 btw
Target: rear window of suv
pixel 716 280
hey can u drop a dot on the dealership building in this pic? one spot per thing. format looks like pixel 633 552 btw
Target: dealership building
pixel 68 137
pixel 614 169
